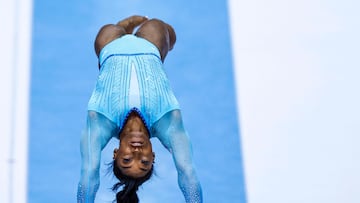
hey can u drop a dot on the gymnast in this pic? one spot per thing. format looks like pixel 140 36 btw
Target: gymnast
pixel 133 101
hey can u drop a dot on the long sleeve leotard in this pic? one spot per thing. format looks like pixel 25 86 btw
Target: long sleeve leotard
pixel 132 79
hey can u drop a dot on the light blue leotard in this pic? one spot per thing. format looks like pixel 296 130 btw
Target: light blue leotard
pixel 132 79
pixel 132 76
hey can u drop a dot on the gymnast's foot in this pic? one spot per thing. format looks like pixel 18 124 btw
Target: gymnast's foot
pixel 131 22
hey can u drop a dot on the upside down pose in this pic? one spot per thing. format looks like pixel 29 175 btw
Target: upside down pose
pixel 133 101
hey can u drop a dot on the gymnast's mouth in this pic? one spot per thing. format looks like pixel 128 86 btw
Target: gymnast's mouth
pixel 136 143
pixel 137 139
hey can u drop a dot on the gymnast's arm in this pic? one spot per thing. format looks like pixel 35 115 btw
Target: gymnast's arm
pixel 98 132
pixel 171 133
pixel 187 179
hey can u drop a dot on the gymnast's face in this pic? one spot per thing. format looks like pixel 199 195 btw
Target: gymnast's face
pixel 134 156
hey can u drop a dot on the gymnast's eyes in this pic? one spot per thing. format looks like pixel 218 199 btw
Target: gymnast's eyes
pixel 126 160
pixel 145 162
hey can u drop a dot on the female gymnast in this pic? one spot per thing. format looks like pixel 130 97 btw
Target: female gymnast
pixel 133 101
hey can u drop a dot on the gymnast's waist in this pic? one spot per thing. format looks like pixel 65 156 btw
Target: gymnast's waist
pixel 128 45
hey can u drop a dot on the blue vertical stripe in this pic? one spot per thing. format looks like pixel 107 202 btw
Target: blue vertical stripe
pixel 200 72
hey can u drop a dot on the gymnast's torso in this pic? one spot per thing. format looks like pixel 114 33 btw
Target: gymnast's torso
pixel 131 79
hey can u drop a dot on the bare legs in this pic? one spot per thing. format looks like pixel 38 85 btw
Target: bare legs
pixel 111 32
pixel 161 34
pixel 131 22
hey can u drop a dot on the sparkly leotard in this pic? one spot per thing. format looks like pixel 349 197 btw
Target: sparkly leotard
pixel 132 79
pixel 132 76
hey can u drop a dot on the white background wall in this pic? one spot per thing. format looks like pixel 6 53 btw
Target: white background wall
pixel 15 37
pixel 297 71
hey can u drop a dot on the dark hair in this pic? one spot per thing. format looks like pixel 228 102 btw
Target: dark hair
pixel 130 185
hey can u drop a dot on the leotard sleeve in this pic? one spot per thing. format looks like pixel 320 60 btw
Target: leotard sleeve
pixel 171 133
pixel 97 134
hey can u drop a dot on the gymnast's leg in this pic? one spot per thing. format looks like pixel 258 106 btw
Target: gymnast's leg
pixel 170 131
pixel 110 32
pixel 161 34
pixel 93 140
